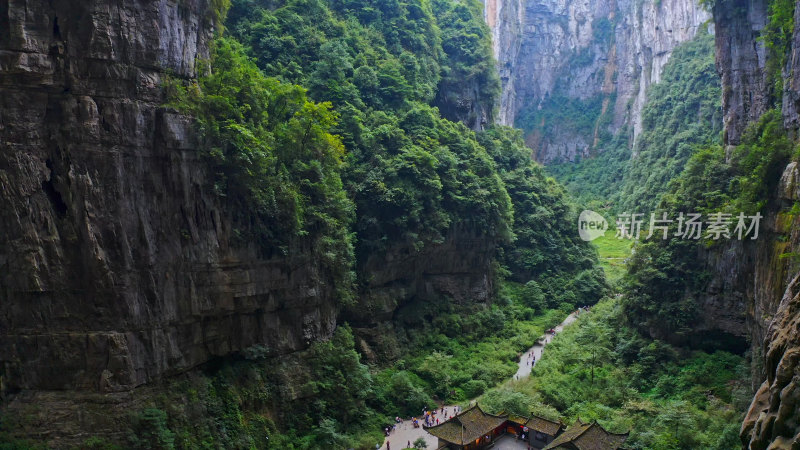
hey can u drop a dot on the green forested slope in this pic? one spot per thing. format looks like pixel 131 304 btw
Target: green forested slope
pixel 682 112
pixel 666 397
pixel 411 172
pixel 332 123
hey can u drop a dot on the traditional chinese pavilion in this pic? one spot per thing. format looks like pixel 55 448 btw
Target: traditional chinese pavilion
pixel 537 430
pixel 587 436
pixel 475 429
pixel 472 429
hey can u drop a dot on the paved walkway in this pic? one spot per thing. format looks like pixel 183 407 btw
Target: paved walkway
pixel 509 442
pixel 525 362
pixel 406 433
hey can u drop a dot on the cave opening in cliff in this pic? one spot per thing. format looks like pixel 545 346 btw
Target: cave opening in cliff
pixel 56 28
pixel 48 185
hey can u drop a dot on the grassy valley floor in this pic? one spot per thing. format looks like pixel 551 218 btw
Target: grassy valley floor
pixel 601 369
pixel 666 397
pixel 613 254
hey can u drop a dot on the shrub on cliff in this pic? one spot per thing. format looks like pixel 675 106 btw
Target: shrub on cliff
pixel 412 174
pixel 275 162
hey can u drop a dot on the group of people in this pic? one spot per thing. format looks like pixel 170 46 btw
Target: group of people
pixel 428 419
pixel 436 416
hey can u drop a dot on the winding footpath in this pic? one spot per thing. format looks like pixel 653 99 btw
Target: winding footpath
pixel 524 369
pixel 406 433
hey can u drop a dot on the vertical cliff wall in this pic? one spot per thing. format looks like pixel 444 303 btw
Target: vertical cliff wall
pixel 773 419
pixel 597 58
pixel 741 61
pixel 117 264
pixel 506 20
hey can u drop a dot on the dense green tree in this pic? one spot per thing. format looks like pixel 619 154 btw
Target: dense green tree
pixel 682 114
pixel 546 248
pixel 412 174
pixel 338 380
pixel 274 158
pixel 665 276
pixel 665 397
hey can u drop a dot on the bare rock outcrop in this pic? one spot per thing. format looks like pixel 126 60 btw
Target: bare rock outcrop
pixel 118 266
pixel 580 50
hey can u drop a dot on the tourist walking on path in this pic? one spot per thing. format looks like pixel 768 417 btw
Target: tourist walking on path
pixel 524 369
pixel 415 430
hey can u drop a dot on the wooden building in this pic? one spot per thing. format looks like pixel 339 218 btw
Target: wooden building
pixel 587 436
pixel 471 429
pixel 543 431
pixel 536 430
pixel 474 429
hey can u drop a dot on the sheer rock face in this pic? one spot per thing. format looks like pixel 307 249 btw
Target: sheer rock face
pixel 506 19
pixel 749 277
pixel 464 102
pixel 117 265
pixel 773 420
pixel 772 290
pixel 547 48
pixel 460 269
pixel 399 276
pixel 741 60
pixel 791 84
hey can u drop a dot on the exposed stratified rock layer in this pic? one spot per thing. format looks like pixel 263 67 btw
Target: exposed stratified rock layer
pixel 506 20
pixel 741 59
pixel 583 49
pixel 118 265
pixel 772 420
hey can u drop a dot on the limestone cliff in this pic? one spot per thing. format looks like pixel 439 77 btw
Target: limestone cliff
pixel 460 269
pixel 117 264
pixel 601 56
pixel 119 267
pixel 741 60
pixel 772 420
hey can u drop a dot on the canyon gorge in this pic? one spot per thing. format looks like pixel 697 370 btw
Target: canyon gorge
pixel 130 278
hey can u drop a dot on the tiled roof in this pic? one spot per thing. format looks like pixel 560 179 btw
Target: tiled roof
pixel 543 425
pixel 519 420
pixel 596 438
pixel 570 435
pixel 467 426
pixel 588 436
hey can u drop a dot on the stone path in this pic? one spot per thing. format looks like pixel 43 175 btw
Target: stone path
pixel 525 367
pixel 406 432
pixel 509 442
